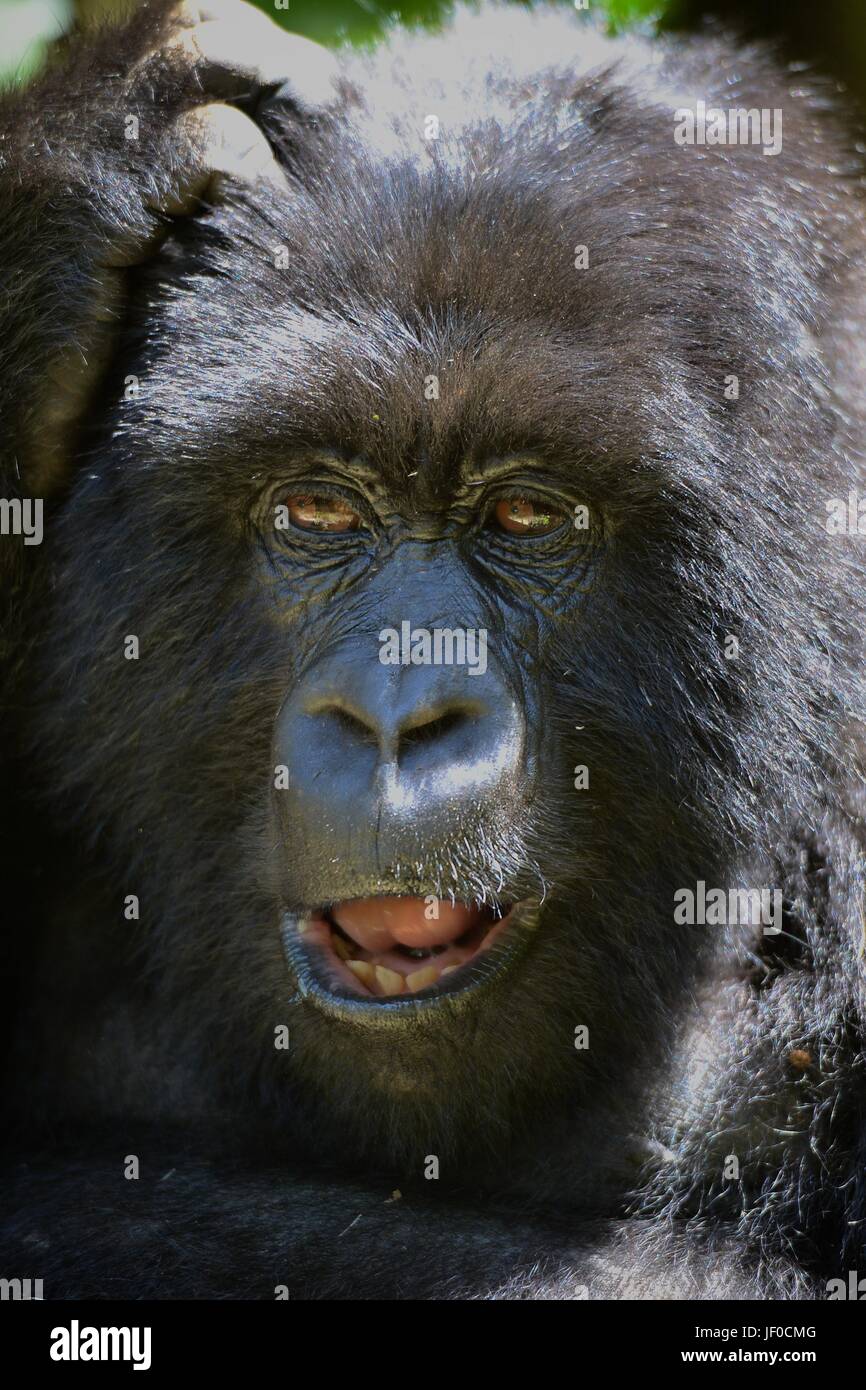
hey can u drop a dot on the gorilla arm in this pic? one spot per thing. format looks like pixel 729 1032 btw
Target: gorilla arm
pixel 128 128
pixel 194 1231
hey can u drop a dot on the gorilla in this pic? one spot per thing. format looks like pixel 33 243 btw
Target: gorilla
pixel 432 645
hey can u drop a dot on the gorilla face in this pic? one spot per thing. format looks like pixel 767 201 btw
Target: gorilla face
pixel 391 780
pixel 413 738
pixel 426 540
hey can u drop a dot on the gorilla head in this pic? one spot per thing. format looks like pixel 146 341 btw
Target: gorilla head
pixel 421 494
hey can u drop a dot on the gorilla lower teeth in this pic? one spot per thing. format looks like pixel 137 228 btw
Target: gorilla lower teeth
pixel 389 981
pixel 364 971
pixel 420 979
pixel 382 981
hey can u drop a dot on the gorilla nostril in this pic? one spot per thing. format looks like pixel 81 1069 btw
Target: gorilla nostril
pixel 395 733
pixel 431 730
pixel 355 726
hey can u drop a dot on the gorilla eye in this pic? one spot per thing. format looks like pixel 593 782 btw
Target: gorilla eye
pixel 519 516
pixel 316 512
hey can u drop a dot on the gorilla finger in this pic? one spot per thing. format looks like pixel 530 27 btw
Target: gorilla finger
pixel 239 52
pixel 225 145
pixel 220 145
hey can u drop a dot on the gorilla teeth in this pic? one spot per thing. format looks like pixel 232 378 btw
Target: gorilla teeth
pixel 420 979
pixel 364 971
pixel 397 969
pixel 389 981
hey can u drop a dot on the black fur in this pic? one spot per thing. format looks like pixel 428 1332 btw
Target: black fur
pixel 152 777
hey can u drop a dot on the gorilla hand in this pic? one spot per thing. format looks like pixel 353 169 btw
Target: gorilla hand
pixel 95 181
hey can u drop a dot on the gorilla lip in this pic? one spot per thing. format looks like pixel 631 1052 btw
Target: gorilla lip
pixel 384 953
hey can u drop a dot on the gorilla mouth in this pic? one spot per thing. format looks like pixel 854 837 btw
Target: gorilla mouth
pixel 398 953
pixel 389 946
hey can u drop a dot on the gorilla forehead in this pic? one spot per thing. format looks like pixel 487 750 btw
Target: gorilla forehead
pixel 479 310
pixel 321 316
pixel 413 404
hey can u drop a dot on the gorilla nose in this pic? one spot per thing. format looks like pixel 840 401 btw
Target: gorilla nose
pixel 411 738
pixel 392 763
pixel 412 744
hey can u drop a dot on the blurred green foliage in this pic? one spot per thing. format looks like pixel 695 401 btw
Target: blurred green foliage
pixel 27 26
pixel 360 21
pixel 26 29
pixel 832 34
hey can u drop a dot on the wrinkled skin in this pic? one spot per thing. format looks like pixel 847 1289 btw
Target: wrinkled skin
pixel 264 379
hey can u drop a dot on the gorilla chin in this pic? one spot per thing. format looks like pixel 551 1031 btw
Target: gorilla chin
pixel 389 961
